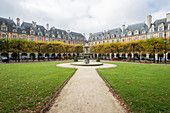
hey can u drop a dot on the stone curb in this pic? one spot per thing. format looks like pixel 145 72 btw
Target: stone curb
pixel 56 94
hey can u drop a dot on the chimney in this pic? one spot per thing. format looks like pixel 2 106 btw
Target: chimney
pixel 123 28
pixel 33 24
pixel 167 17
pixel 68 31
pixel 47 26
pixel 149 20
pixel 18 22
pixel 104 31
pixel 90 34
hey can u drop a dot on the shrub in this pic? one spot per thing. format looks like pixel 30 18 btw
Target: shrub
pixel 98 59
pixel 75 59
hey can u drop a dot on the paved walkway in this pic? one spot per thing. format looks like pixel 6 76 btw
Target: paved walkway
pixel 86 92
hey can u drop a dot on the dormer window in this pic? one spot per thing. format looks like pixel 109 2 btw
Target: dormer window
pixel 32 32
pixel 62 33
pixel 59 36
pixel 136 32
pixel 3 28
pixel 53 35
pixel 46 34
pixel 160 28
pixel 38 28
pixel 14 30
pixel 151 30
pixel 129 33
pixel 23 31
pixel 40 34
pixel 57 32
pixel 143 32
pixel 129 39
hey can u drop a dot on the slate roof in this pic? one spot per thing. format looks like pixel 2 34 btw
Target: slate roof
pixel 28 26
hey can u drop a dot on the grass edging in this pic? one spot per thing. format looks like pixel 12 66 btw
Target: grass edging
pixel 122 103
pixel 46 108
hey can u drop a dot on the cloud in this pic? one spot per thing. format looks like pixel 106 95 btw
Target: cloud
pixel 85 16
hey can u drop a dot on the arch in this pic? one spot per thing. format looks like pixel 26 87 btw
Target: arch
pixel 113 55
pixel 95 55
pixel 53 55
pixel 168 55
pixel 47 55
pixel 4 54
pixel 136 55
pixel 23 54
pixel 32 56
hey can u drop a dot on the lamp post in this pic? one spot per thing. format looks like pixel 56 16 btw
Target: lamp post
pixel 165 48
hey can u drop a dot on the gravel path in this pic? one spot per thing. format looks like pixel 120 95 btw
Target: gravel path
pixel 86 92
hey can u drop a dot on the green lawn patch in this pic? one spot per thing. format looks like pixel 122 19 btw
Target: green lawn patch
pixel 143 87
pixel 30 85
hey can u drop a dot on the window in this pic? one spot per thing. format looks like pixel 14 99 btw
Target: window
pixel 123 40
pixel 108 41
pixel 99 42
pixel 92 43
pixel 69 42
pixel 161 28
pixel 24 37
pixel 32 38
pixel 14 36
pixel 3 28
pixel 160 34
pixel 59 36
pixel 53 40
pixel 40 39
pixel 32 32
pixel 136 38
pixel 64 41
pixel 46 39
pixel 23 31
pixel 39 34
pixel 96 43
pixel 143 38
pixel 136 32
pixel 57 32
pixel 14 30
pixel 77 42
pixel 103 42
pixel 73 42
pixel 129 33
pixel 129 39
pixel 112 40
pixel 53 35
pixel 59 40
pixel 151 30
pixel 4 35
pixel 168 34
pixel 151 36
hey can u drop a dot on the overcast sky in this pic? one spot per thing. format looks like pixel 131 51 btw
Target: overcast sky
pixel 84 16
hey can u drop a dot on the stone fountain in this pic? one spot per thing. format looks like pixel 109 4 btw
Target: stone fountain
pixel 86 54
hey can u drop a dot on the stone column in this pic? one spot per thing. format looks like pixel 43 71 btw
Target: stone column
pixel 132 55
pixel 147 55
pixel 110 55
pixel 156 57
pixel 10 55
pixel 126 55
pixel 114 55
pixel 120 55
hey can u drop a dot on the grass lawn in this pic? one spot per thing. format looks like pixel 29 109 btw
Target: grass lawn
pixel 30 85
pixel 143 87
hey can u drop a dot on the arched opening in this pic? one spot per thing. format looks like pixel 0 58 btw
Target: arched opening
pixel 168 56
pixel 129 56
pixel 4 54
pixel 95 55
pixel 32 56
pixel 14 56
pixel 59 56
pixel 23 54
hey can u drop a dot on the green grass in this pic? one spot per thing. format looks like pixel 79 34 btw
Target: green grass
pixel 29 86
pixel 143 87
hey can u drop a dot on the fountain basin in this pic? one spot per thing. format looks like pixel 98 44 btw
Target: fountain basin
pixel 89 64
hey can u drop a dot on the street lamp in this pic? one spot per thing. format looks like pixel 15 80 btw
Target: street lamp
pixel 165 47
